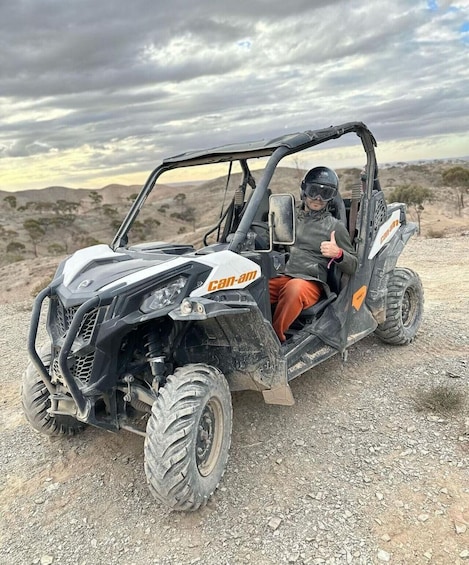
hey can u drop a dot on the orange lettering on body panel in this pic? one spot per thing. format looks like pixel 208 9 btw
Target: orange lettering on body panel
pixel 395 224
pixel 226 282
pixel 358 297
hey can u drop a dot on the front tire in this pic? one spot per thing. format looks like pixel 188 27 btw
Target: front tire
pixel 404 308
pixel 35 399
pixel 188 437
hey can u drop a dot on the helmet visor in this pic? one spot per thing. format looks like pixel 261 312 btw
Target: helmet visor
pixel 319 191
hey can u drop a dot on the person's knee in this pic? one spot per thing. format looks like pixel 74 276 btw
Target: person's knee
pixel 298 287
pixel 296 284
pixel 293 290
pixel 306 292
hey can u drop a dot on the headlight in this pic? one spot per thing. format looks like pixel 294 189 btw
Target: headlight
pixel 163 295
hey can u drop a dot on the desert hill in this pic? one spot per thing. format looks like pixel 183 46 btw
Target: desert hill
pixel 55 221
pixel 426 173
pixel 111 194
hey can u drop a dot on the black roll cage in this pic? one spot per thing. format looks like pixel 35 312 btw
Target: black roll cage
pixel 275 149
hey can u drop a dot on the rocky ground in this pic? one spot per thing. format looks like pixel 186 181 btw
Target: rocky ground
pixel 366 468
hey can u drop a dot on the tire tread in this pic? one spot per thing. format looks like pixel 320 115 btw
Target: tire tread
pixel 169 465
pixel 392 330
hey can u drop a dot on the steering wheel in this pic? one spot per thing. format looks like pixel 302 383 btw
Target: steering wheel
pixel 260 240
pixel 261 225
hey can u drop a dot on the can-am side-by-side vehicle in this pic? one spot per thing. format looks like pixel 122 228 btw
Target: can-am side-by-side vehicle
pixel 153 337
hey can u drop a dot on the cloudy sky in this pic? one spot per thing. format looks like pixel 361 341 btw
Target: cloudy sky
pixel 93 92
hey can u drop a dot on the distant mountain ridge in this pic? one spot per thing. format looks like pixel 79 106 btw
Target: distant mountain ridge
pixel 110 193
pixel 442 161
pixel 116 192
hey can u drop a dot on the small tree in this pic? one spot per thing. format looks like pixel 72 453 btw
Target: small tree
pixel 109 211
pixel 35 231
pixel 11 201
pixel 42 206
pixel 56 249
pixel 458 179
pixel 180 199
pixel 86 240
pixel 65 207
pixel 63 223
pixel 95 197
pixel 151 224
pixel 412 195
pixel 15 248
pixel 137 231
pixel 188 215
pixel 116 224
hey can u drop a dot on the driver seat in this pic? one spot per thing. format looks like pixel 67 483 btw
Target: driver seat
pixel 337 209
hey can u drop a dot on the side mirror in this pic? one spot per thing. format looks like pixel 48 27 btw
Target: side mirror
pixel 282 219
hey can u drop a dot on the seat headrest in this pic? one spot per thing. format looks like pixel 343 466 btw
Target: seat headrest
pixel 337 209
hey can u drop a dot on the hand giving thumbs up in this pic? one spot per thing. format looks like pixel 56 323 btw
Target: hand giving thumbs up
pixel 330 248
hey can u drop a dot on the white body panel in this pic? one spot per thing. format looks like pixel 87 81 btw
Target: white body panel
pixel 83 257
pixel 229 270
pixel 385 233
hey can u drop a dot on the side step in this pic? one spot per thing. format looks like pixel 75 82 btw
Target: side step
pixel 307 354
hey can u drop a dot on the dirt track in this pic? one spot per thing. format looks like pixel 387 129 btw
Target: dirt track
pixel 355 472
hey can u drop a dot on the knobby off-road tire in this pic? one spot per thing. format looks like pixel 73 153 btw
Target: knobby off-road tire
pixel 404 308
pixel 188 437
pixel 35 399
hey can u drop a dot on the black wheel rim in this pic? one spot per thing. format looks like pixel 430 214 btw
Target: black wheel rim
pixel 209 437
pixel 409 307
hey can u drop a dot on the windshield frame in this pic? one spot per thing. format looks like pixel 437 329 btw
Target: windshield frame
pixel 275 150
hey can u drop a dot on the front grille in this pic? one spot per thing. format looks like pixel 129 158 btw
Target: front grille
pixel 80 366
pixel 88 325
pixel 81 362
pixel 64 317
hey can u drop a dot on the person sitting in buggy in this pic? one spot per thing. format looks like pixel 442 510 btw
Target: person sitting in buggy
pixel 321 240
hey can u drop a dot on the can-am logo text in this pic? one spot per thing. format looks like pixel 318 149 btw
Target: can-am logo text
pixel 219 284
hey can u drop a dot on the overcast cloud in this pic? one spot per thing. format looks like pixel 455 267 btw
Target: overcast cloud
pixel 93 89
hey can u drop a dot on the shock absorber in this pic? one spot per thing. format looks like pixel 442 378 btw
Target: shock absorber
pixel 156 359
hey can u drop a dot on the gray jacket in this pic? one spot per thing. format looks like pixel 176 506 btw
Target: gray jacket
pixel 306 260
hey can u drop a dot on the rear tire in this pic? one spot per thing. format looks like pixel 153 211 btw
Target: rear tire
pixel 404 308
pixel 188 437
pixel 35 399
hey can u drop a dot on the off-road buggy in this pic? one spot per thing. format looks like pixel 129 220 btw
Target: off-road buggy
pixel 153 337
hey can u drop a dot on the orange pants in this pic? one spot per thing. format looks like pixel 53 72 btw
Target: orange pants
pixel 291 296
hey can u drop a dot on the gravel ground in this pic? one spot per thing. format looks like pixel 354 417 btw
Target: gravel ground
pixel 359 471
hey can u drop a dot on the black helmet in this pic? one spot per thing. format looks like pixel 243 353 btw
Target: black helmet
pixel 320 182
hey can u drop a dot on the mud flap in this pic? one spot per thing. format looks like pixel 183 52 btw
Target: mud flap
pixel 281 395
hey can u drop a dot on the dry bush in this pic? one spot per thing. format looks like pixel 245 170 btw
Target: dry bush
pixel 433 233
pixel 40 285
pixel 441 399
